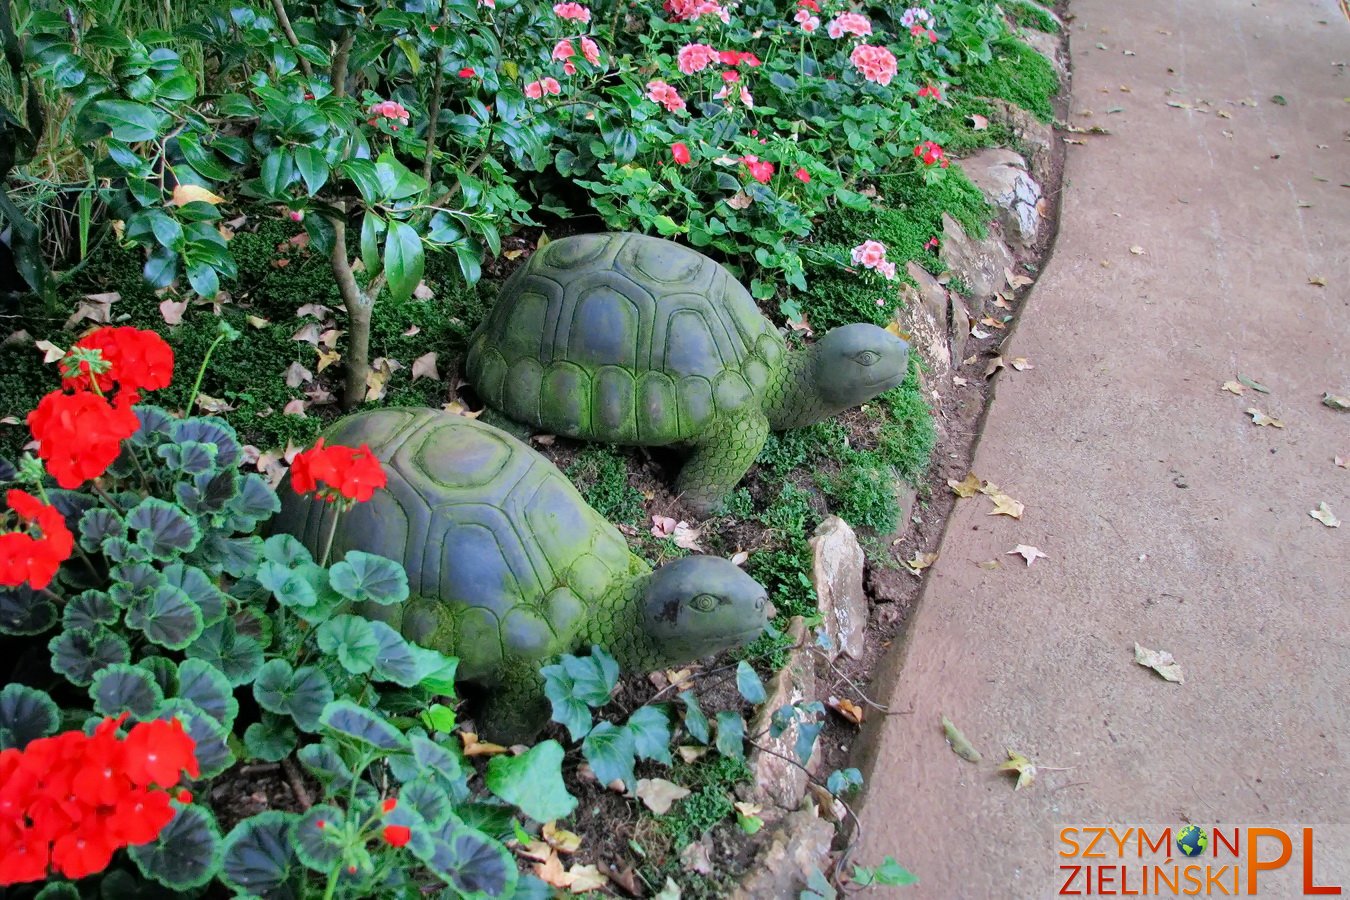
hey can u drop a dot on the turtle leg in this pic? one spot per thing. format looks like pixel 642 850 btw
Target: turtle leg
pixel 516 709
pixel 723 455
pixel 503 422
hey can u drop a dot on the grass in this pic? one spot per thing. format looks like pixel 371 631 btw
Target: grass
pixel 1018 74
pixel 1029 15
pixel 601 475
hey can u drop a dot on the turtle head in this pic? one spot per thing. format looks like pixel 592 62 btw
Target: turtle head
pixel 854 363
pixel 700 605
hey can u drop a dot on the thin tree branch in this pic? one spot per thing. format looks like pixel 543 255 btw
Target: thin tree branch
pixel 279 6
pixel 434 113
pixel 338 74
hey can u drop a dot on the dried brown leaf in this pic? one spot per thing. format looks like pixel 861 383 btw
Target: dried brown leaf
pixel 1019 765
pixel 1324 515
pixel 1030 554
pixel 425 367
pixel 659 794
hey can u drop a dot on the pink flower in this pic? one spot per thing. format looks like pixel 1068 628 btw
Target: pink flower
pixel 931 90
pixel 590 51
pixel 688 10
pixel 877 64
pixel 564 50
pixel 667 96
pixel 695 58
pixel 931 154
pixel 572 11
pixel 808 22
pixel 745 95
pixel 536 89
pixel 731 76
pixel 932 243
pixel 390 109
pixel 296 215
pixel 490 4
pixel 569 68
pixel 869 254
pixel 680 153
pixel 849 23
pixel 760 170
pixel 915 15
pixel 887 270
pixel 802 175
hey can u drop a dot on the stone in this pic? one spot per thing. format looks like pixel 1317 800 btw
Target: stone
pixel 777 781
pixel 978 263
pixel 1002 177
pixel 906 498
pixel 924 319
pixel 797 847
pixel 837 575
pixel 960 333
pixel 1031 133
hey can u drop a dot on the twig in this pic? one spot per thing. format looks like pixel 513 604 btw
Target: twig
pixel 454 188
pixel 296 782
pixel 851 683
pixel 284 21
pixel 434 113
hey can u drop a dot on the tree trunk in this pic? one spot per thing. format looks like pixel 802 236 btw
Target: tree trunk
pixel 358 304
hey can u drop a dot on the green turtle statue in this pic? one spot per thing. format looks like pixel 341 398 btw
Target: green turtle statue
pixel 509 567
pixel 631 339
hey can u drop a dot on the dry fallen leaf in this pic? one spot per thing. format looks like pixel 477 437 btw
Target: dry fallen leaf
pixel 1020 364
pixel 539 851
pixel 297 375
pixel 740 557
pixel 1324 515
pixel 687 536
pixel 994 365
pixel 1253 384
pixel 691 753
pixel 1007 506
pixel 1261 419
pixel 184 194
pixel 663 526
pixel 682 679
pixel 330 338
pixel 1317 280
pixel 257 321
pixel 960 746
pixel 671 891
pixel 296 407
pixel 212 404
pixel 659 795
pixel 1014 280
pixel 1233 387
pixel 317 310
pixel 308 332
pixel 456 407
pixel 1030 554
pixel 978 123
pixel 422 292
pixel 425 367
pixel 412 330
pixel 959 381
pixel 846 708
pixel 920 562
pixel 1137 250
pixel 50 352
pixel 1024 768
pixel 1342 461
pixel 326 358
pixel 989 564
pixel 551 871
pixel 475 747
pixel 697 858
pixel 1335 402
pixel 1159 661
pixel 740 200
pixel 993 323
pixel 967 488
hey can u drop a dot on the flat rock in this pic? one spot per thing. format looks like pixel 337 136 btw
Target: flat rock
pixel 960 330
pixel 796 848
pixel 924 317
pixel 1002 177
pixel 777 781
pixel 837 574
pixel 1033 134
pixel 980 263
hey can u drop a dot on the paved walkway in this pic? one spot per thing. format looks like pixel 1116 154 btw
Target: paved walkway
pixel 1169 518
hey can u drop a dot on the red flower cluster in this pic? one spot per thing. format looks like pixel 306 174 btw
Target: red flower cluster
pixel 350 473
pixel 24 557
pixel 931 154
pixel 737 58
pixel 760 170
pixel 69 802
pixel 137 361
pixel 931 90
pixel 919 31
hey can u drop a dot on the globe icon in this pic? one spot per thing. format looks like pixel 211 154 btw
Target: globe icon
pixel 1192 840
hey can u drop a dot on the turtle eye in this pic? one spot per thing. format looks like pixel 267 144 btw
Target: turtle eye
pixel 704 603
pixel 866 358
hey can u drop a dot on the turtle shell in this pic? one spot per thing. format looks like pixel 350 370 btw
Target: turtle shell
pixel 504 557
pixel 623 338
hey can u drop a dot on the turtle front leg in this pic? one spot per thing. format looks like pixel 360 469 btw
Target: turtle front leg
pixel 721 459
pixel 515 710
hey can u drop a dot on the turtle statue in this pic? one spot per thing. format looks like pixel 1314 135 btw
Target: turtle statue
pixel 629 339
pixel 509 567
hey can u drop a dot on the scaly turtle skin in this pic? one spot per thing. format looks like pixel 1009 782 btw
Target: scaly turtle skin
pixel 630 339
pixel 508 567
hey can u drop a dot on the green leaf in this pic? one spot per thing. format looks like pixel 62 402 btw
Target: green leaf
pixel 24 611
pixel 272 739
pixel 731 734
pixel 568 710
pixel 79 653
pixel 397 181
pixel 123 688
pixel 202 159
pixel 611 752
pixel 238 656
pixel 694 719
pixel 372 226
pixel 301 693
pixel 361 724
pixel 213 752
pixel 258 856
pixel 286 550
pixel 130 122
pixel 166 229
pixel 650 726
pixel 403 260
pixel 748 683
pixel 429 799
pixel 277 172
pixel 207 686
pixel 318 837
pixel 473 863
pixel 185 854
pixel 430 756
pixel 889 873
pixel 533 782
pixel 365 577
pixel 204 279
pixel 400 661
pixel 353 640
pixel 97 525
pixel 168 617
pixel 313 168
pixel 470 263
pixel 288 585
pixel 362 173
pixel 163 529
pixel 199 588
pixel 89 609
pixel 323 762
pixel 26 714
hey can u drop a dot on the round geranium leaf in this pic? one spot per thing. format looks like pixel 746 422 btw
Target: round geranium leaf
pixel 255 501
pixel 212 751
pixel 155 424
pixel 134 579
pixel 445 761
pixel 168 617
pixel 124 688
pixel 189 457
pixel 237 557
pixel 318 837
pixel 97 525
pixel 287 585
pixel 259 856
pixel 79 652
pixel 302 693
pixel 119 550
pixel 207 493
pixel 365 577
pixel 207 686
pixel 324 763
pixel 533 782
pixel 89 609
pixel 200 590
pixel 271 739
pixel 57 890
pixel 24 611
pixel 429 799
pixel 210 431
pixel 286 550
pixel 26 714
pixel 269 688
pixel 164 530
pixel 352 640
pixel 471 862
pixel 164 671
pixel 185 854
pixel 366 726
pixel 238 656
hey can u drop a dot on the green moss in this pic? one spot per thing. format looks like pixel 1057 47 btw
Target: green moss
pixel 863 493
pixel 712 781
pixel 955 130
pixel 1029 15
pixel 785 451
pixel 601 475
pixel 1018 74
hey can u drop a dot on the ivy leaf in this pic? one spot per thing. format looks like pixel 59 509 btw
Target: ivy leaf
pixel 533 782
pixel 167 617
pixel 352 639
pixel 694 719
pixel 889 873
pixel 731 734
pixel 79 653
pixel 611 752
pixel 258 855
pixel 26 714
pixel 271 739
pixel 567 709
pixel 365 577
pixel 748 683
pixel 185 854
pixel 207 686
pixel 361 724
pixel 124 688
pixel 650 726
pixel 163 529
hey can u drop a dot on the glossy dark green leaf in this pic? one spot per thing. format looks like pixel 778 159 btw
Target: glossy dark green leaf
pixel 167 617
pixel 185 854
pixel 271 739
pixel 26 714
pixel 611 751
pixel 403 260
pixel 748 683
pixel 731 734
pixel 207 686
pixel 79 653
pixel 695 722
pixel 130 122
pixel 258 856
pixel 366 726
pixel 650 726
pixel 123 688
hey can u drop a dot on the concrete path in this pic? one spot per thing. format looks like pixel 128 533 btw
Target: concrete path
pixel 1169 518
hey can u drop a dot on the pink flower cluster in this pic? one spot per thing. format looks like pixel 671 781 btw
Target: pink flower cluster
pixel 694 58
pixel 919 31
pixel 872 255
pixel 931 90
pixel 688 10
pixel 804 16
pixel 849 23
pixel 876 64
pixel 660 92
pixel 916 15
pixel 565 51
pixel 536 89
pixel 389 109
pixel 572 11
pixel 760 170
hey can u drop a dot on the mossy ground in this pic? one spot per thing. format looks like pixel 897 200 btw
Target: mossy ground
pixel 1018 74
pixel 1029 15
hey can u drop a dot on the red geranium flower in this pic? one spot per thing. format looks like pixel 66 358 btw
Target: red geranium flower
pixel 760 170
pixel 158 752
pixel 137 361
pixel 25 558
pixel 397 835
pixel 467 72
pixel 352 473
pixel 680 153
pixel 802 175
pixel 79 435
